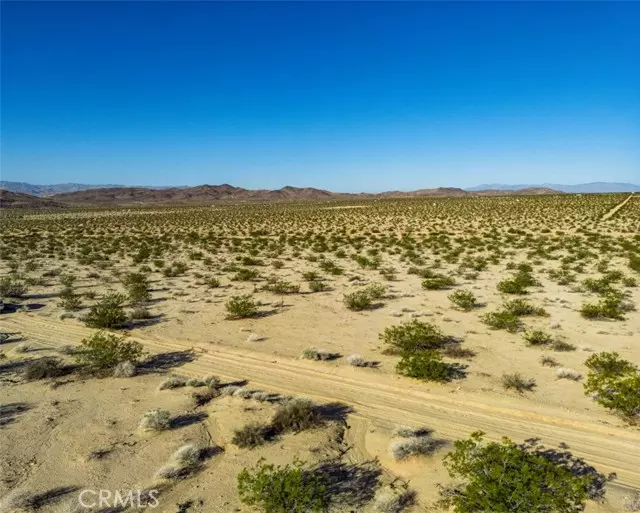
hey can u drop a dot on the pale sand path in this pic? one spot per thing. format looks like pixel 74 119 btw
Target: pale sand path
pixel 387 399
pixel 613 211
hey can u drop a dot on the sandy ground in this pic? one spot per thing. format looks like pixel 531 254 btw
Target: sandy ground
pixel 47 443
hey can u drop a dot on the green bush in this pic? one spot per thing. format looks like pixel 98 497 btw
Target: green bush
pixel 413 336
pixel 612 306
pixel 518 284
pixel 108 313
pixel 502 320
pixel 137 287
pixel 614 383
pixel 317 286
pixel 538 338
pixel 245 274
pixel 438 282
pixel 103 351
pixel 282 287
pixel 69 300
pixel 358 300
pixel 282 489
pixel 12 287
pixel 425 365
pixel 464 299
pixel 522 307
pixel 509 478
pixel 241 307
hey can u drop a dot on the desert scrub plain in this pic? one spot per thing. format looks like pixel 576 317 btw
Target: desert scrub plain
pixel 348 350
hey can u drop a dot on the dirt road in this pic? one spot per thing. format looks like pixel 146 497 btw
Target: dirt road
pixel 387 400
pixel 615 209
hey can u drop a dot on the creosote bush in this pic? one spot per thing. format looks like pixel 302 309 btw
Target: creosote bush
pixel 108 313
pixel 510 478
pixel 295 415
pixel 517 382
pixel 413 336
pixel 282 489
pixel 250 436
pixel 464 299
pixel 425 365
pixel 104 351
pixel 241 307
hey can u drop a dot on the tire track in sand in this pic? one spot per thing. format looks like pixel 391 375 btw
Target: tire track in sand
pixel 386 399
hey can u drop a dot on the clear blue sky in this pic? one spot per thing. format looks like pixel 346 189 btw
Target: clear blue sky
pixel 344 96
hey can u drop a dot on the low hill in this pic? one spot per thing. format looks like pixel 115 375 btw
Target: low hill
pixel 225 193
pixel 17 200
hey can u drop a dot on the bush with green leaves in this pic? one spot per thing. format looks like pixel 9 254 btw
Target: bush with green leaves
pixel 614 383
pixel 282 287
pixel 317 286
pixel 518 284
pixel 241 307
pixel 464 299
pixel 538 338
pixel 103 351
pixel 504 477
pixel 412 337
pixel 426 366
pixel 358 300
pixel 12 287
pixel 438 282
pixel 502 320
pixel 108 313
pixel 283 489
pixel 522 307
pixel 612 306
pixel 137 287
pixel 69 300
pixel 245 274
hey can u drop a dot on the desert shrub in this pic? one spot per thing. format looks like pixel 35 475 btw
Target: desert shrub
pixel 502 320
pixel 548 361
pixel 69 300
pixel 282 287
pixel 211 282
pixel 464 299
pixel 245 274
pixel 425 365
pixel 107 313
pixel 44 368
pixel 317 286
pixel 570 374
pixel 414 446
pixel 241 307
pixel 358 300
pixel 600 286
pixel 562 346
pixel 356 360
pixel 376 290
pixel 438 282
pixel 250 436
pixel 12 287
pixel 522 307
pixel 509 478
pixel 202 397
pixel 538 338
pixel 296 415
pixel 312 353
pixel 517 382
pixel 156 420
pixel 172 382
pixel 125 369
pixel 104 351
pixel 612 306
pixel 518 284
pixel 182 462
pixel 396 501
pixel 282 489
pixel 140 312
pixel 614 383
pixel 413 336
pixel 137 287
pixel 174 269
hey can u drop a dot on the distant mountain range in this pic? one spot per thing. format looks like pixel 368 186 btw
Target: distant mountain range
pixel 63 188
pixel 209 194
pixel 578 188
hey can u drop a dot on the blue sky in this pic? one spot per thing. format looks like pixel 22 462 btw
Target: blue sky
pixel 344 96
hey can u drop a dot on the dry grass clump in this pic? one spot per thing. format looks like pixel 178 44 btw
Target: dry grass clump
pixel 415 446
pixel 409 432
pixel 571 374
pixel 296 415
pixel 156 420
pixel 311 353
pixel 252 435
pixel 548 361
pixel 172 382
pixel 125 369
pixel 182 463
pixel 394 501
pixel 44 368
pixel 357 360
pixel 517 382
